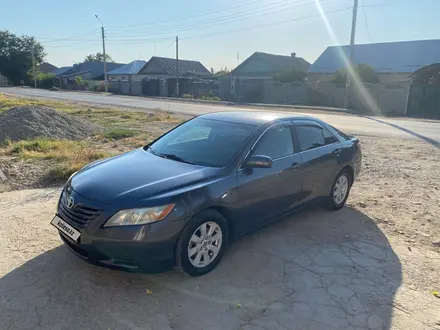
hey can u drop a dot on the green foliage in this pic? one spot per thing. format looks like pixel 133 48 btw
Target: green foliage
pixel 16 56
pixel 120 133
pixel 363 71
pixel 210 98
pixel 291 75
pixel 99 57
pixel 187 96
pixel 223 72
pixel 45 80
pixel 80 81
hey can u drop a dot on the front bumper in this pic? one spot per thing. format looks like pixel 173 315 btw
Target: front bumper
pixel 157 257
pixel 148 248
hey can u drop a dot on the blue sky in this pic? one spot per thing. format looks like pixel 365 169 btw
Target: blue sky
pixel 213 32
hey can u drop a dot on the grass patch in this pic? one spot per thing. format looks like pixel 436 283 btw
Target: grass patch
pixel 78 160
pixel 119 133
pixel 9 102
pixel 70 155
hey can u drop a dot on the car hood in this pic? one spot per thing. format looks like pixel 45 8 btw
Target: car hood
pixel 136 175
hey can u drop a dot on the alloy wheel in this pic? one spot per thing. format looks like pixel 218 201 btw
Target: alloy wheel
pixel 205 244
pixel 341 189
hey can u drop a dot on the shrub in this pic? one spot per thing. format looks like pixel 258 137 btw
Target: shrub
pixel 45 80
pixel 210 98
pixel 187 96
pixel 119 133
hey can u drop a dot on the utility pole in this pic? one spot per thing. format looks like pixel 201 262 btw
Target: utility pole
pixel 238 59
pixel 350 56
pixel 103 52
pixel 177 66
pixel 33 66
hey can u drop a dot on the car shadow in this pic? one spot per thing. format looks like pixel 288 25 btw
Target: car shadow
pixel 420 136
pixel 316 269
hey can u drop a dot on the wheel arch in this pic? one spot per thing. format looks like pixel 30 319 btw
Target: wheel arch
pixel 349 169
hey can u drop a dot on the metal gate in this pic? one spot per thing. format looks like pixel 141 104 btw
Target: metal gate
pixel 424 101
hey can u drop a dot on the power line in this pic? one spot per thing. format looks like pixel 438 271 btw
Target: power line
pixel 266 25
pixel 189 17
pixel 366 21
pixel 258 12
pixel 72 38
pixel 162 53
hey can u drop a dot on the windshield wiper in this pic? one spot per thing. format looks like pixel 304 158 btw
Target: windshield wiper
pixel 152 151
pixel 176 158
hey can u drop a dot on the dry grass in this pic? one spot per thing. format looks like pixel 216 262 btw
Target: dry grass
pixel 70 156
pixel 8 102
pixel 122 130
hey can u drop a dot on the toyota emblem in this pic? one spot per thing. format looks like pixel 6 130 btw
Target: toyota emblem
pixel 70 202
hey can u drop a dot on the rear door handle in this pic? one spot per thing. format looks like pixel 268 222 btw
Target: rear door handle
pixel 337 152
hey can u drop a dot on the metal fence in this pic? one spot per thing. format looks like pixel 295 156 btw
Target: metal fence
pixel 387 99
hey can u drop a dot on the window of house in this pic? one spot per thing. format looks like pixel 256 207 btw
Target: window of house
pixel 275 143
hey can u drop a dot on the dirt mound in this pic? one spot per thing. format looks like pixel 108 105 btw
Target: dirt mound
pixel 27 122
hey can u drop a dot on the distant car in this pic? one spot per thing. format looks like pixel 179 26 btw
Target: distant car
pixel 182 198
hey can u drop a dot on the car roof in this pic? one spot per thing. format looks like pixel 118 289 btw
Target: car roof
pixel 254 118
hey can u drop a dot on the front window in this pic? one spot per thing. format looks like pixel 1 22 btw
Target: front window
pixel 203 142
pixel 276 143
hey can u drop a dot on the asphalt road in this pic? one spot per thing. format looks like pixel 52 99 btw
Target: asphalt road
pixel 428 131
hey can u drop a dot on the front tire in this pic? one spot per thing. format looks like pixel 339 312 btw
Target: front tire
pixel 339 191
pixel 202 243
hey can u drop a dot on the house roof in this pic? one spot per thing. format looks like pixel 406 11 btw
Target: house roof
pixel 167 66
pixel 60 71
pixel 270 64
pixel 402 56
pixel 47 67
pixel 130 68
pixel 96 68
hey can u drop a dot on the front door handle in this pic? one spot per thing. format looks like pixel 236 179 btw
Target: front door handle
pixel 337 152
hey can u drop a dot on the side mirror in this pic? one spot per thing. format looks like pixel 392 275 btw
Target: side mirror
pixel 259 161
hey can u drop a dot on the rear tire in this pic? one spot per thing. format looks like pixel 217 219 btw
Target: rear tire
pixel 340 190
pixel 202 243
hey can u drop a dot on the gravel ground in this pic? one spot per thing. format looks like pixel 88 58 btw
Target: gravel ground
pixel 27 122
pixel 372 265
pixel 314 270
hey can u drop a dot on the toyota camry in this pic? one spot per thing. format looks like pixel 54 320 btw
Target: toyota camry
pixel 181 199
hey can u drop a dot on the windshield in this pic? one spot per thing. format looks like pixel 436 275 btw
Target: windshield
pixel 203 142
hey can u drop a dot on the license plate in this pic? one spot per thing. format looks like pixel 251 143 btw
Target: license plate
pixel 64 227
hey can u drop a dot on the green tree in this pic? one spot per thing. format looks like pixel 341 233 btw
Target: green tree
pixel 223 72
pixel 16 56
pixel 363 71
pixel 291 75
pixel 45 80
pixel 99 57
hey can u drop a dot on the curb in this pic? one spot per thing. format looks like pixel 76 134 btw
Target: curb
pixel 262 105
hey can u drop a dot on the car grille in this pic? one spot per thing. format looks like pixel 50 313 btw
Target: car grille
pixel 79 215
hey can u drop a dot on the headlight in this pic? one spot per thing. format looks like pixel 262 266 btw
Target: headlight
pixel 139 216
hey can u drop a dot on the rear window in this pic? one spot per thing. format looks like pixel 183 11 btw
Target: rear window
pixel 343 135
